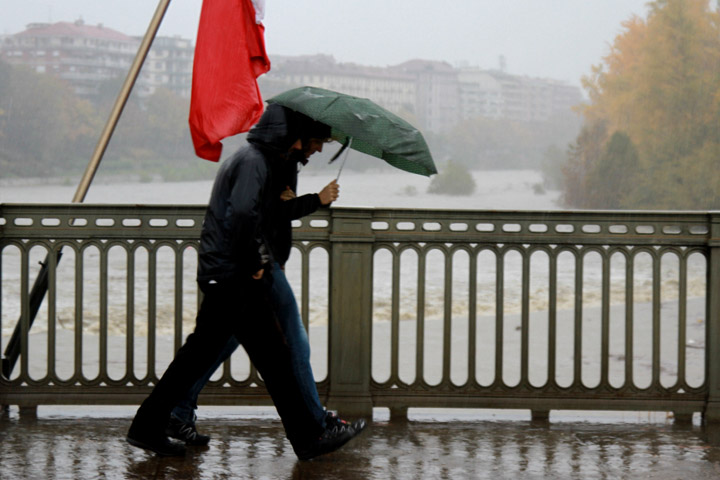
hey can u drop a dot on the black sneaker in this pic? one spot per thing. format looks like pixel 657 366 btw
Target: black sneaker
pixel 159 444
pixel 332 420
pixel 185 432
pixel 336 434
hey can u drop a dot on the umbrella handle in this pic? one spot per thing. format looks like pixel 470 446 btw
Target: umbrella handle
pixel 344 147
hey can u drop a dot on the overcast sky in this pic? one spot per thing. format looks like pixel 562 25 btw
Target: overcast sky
pixel 558 39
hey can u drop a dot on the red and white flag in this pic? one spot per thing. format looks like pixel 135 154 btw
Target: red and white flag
pixel 229 56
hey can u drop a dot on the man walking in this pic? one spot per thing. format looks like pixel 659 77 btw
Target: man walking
pixel 235 276
pixel 286 207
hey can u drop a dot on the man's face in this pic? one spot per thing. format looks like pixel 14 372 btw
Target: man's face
pixel 314 145
pixel 297 146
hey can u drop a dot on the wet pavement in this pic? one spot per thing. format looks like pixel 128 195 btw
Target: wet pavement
pixel 88 443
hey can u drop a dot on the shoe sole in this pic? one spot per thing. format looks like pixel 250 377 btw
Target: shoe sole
pixel 325 451
pixel 162 453
pixel 334 447
pixel 192 443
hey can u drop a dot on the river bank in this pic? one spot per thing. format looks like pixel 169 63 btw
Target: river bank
pixel 496 189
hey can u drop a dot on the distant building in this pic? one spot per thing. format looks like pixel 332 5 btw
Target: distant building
pixel 481 94
pixel 168 65
pixel 86 55
pixel 496 94
pixel 436 93
pixel 83 55
pixel 432 95
pixel 395 91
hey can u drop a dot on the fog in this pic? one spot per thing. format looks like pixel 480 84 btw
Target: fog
pixel 586 92
pixel 558 39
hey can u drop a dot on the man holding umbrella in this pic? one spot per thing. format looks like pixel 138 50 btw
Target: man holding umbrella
pixel 235 275
pixel 286 207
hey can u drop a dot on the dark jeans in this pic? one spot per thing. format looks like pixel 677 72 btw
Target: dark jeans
pixel 242 309
pixel 288 316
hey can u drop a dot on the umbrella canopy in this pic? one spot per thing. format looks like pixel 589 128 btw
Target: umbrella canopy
pixel 372 129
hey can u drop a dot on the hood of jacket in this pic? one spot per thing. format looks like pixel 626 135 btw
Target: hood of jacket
pixel 280 127
pixel 277 130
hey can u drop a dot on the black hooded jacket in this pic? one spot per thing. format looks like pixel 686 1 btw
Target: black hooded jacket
pixel 285 211
pixel 237 229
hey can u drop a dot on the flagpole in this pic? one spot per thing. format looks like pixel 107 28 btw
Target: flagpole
pixel 40 286
pixel 120 102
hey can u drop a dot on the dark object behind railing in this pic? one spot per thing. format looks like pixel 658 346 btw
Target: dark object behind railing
pixel 37 294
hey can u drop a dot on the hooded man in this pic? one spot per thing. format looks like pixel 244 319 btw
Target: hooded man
pixel 234 274
pixel 286 206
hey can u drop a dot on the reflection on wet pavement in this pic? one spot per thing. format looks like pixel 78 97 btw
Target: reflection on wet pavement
pixel 84 448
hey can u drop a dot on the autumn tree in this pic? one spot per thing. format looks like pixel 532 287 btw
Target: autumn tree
pixel 582 156
pixel 615 173
pixel 42 123
pixel 660 86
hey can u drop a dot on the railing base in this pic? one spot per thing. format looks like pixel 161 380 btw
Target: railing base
pixel 682 418
pixel 351 405
pixel 711 415
pixel 28 412
pixel 540 416
pixel 399 414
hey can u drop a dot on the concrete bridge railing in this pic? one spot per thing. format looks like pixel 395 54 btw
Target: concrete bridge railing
pixel 405 308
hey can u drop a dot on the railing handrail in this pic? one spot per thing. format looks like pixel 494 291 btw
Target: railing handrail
pixel 67 214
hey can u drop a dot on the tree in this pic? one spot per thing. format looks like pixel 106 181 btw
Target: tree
pixel 582 155
pixel 454 179
pixel 660 86
pixel 48 131
pixel 42 123
pixel 614 174
pixel 152 137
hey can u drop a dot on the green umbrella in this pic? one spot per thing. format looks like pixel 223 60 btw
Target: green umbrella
pixel 363 124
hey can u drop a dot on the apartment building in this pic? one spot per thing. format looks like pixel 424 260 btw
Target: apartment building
pixel 436 93
pixel 395 91
pixel 433 95
pixel 481 94
pixel 168 65
pixel 496 94
pixel 83 55
pixel 86 55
